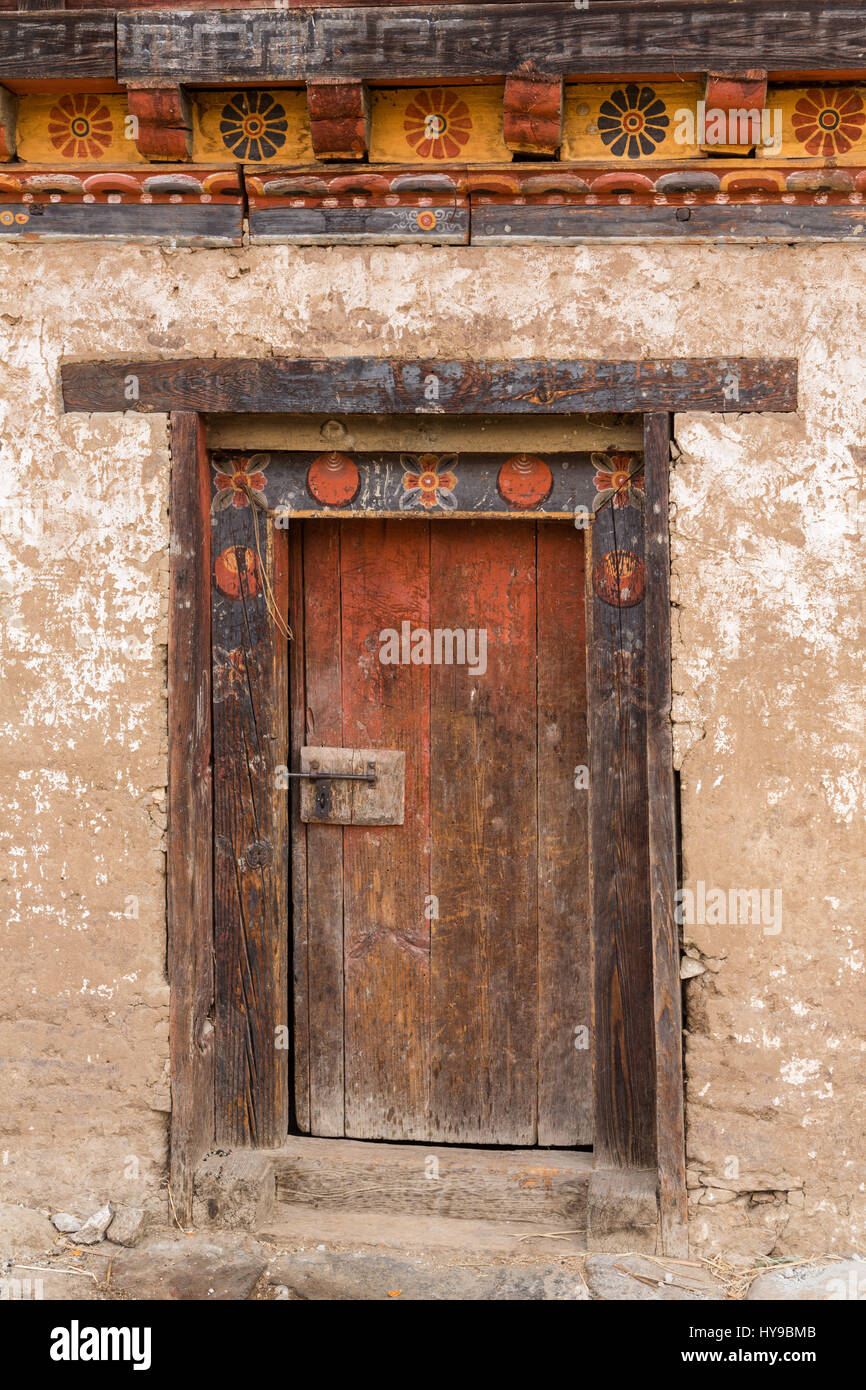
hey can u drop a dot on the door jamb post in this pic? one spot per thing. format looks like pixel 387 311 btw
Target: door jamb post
pixel 189 890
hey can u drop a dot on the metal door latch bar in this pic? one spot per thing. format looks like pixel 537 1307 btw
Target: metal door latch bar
pixel 351 786
pixel 316 775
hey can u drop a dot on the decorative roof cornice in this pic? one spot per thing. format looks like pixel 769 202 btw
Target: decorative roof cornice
pixel 432 42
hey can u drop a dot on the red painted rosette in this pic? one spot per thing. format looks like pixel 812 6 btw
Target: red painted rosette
pixel 333 480
pixel 525 481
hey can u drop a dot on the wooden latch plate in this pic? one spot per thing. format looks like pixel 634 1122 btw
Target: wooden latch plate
pixel 352 786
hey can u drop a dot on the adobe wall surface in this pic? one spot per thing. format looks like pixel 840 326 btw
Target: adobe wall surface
pixel 768 532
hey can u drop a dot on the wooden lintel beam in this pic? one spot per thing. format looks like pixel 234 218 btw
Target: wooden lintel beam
pixel 533 112
pixel 426 44
pixel 371 385
pixel 164 128
pixel 339 118
pixel 62 46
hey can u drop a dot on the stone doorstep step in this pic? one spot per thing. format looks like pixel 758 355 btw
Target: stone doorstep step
pixel 525 1185
pixel 303 1228
pixel 321 1254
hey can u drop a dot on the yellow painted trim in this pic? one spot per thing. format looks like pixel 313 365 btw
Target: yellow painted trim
pixel 438 125
pixel 76 128
pixel 631 121
pixel 255 126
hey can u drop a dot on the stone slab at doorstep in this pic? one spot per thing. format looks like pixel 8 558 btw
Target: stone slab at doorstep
pixel 198 1267
pixel 306 1228
pixel 633 1278
pixel 829 1280
pixel 359 1276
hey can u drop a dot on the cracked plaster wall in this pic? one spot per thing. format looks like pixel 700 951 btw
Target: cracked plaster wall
pixel 768 572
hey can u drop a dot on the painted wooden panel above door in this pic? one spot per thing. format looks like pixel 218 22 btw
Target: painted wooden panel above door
pixel 424 485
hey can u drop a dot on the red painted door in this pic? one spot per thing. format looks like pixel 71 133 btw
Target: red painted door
pixel 442 966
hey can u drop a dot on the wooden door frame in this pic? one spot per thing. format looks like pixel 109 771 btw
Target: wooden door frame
pixel 631 785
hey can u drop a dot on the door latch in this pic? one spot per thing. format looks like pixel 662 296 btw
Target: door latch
pixel 323 801
pixel 352 786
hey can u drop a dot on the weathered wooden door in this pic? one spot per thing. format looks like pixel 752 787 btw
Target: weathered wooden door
pixel 441 966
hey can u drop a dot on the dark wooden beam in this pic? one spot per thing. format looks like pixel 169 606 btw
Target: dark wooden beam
pixel 190 910
pixel 670 1138
pixel 59 45
pixel 501 223
pixel 378 386
pixel 488 40
pixel 251 912
pixel 624 1128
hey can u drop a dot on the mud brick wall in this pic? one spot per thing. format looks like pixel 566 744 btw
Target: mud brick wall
pixel 768 558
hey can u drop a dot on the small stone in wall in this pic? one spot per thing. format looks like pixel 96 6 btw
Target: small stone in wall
pixel 690 968
pixel 128 1226
pixel 718 1196
pixel 94 1227
pixel 64 1222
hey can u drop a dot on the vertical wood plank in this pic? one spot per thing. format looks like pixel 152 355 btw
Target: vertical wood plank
pixel 386 582
pixel 250 712
pixel 484 963
pixel 189 865
pixel 324 727
pixel 564 992
pixel 623 1032
pixel 298 838
pixel 662 845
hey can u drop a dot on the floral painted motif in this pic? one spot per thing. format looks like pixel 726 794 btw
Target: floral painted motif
pixel 618 480
pixel 437 124
pixel 633 121
pixel 80 126
pixel 619 578
pixel 246 478
pixel 428 487
pixel 829 121
pixel 253 125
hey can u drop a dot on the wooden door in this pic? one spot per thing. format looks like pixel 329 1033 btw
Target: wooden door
pixel 442 966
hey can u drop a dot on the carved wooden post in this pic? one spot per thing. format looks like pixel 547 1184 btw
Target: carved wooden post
pixel 662 845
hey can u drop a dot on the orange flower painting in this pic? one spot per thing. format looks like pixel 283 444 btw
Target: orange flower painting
pixel 80 126
pixel 829 122
pixel 437 124
pixel 430 486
